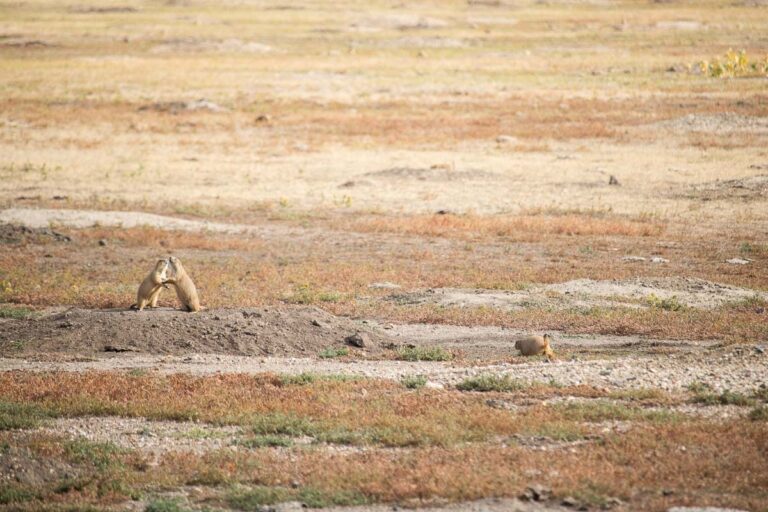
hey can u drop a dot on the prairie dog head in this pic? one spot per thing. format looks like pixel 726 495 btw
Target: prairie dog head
pixel 161 268
pixel 547 348
pixel 176 267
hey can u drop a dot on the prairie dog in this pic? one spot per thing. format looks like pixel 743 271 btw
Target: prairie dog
pixel 149 290
pixel 185 288
pixel 535 345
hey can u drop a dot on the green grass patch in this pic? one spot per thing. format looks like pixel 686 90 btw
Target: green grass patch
pixel 165 505
pixel 333 352
pixel 488 382
pixel 21 416
pixel 639 395
pixel 255 497
pixel 703 394
pixel 414 381
pixel 15 493
pixel 266 441
pixel 305 294
pixel 303 379
pixel 595 411
pixel 17 312
pixel 423 354
pixel 667 304
pixel 102 456
pixel 284 424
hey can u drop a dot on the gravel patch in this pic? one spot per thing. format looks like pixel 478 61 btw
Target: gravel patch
pixel 741 369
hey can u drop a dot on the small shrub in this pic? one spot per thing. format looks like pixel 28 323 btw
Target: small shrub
pixel 489 382
pixel 414 381
pixel 305 294
pixel 734 65
pixel 669 304
pixel 759 413
pixel 332 352
pixel 424 354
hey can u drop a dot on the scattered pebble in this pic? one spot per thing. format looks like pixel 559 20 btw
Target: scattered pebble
pixel 738 261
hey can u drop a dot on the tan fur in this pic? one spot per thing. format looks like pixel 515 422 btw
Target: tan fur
pixel 535 345
pixel 150 288
pixel 185 287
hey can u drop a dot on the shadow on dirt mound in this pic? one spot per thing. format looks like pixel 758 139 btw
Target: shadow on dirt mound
pixel 276 331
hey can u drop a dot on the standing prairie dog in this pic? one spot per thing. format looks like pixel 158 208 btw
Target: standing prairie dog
pixel 535 345
pixel 185 288
pixel 150 288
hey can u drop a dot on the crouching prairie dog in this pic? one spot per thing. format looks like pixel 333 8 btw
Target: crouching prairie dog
pixel 185 287
pixel 535 345
pixel 150 287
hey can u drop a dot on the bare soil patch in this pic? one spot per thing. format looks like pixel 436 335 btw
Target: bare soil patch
pixel 727 122
pixel 14 234
pixel 248 331
pixel 749 188
pixel 587 293
pixel 434 173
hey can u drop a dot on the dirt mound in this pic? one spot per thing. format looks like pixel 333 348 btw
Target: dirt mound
pixel 15 234
pixel 281 331
pixel 437 173
pixel 752 187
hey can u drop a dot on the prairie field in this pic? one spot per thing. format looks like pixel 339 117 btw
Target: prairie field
pixel 375 201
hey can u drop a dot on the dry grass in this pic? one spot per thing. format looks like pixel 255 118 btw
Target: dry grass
pixel 528 228
pixel 167 240
pixel 634 465
pixel 334 411
pixel 701 463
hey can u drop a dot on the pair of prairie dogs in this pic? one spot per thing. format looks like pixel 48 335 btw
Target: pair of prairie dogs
pixel 150 288
pixel 535 345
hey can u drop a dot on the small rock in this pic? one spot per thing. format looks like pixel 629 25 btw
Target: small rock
pixel 384 285
pixel 317 323
pixel 760 349
pixel 433 385
pixel 738 261
pixel 263 118
pixel 659 259
pixel 703 509
pixel 536 493
pixel 570 501
pixel 103 242
pixel 359 339
pixel 506 139
pixel 443 212
pixel 633 258
pixel 613 181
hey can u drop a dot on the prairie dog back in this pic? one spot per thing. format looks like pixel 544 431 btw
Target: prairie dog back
pixel 535 345
pixel 185 287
